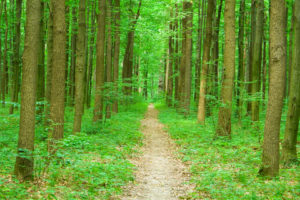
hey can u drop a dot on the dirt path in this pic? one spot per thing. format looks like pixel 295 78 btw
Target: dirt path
pixel 160 174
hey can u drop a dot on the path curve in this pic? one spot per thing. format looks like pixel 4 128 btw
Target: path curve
pixel 160 175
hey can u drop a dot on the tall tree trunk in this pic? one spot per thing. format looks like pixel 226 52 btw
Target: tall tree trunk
pixel 73 58
pixel 215 55
pixel 49 66
pixel 5 58
pixel 289 149
pixel 80 68
pixel 24 159
pixel 206 59
pixel 170 66
pixel 100 68
pixel 224 120
pixel 128 57
pixel 199 48
pixel 116 51
pixel 16 56
pixel 1 69
pixel 109 54
pixel 177 57
pixel 57 107
pixel 91 56
pixel 241 69
pixel 185 65
pixel 270 156
pixel 41 63
pixel 256 62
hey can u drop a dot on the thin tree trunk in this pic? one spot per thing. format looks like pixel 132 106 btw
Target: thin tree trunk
pixel 5 58
pixel 49 66
pixel 188 7
pixel 1 69
pixel 128 57
pixel 270 156
pixel 224 120
pixel 241 69
pixel 91 56
pixel 116 51
pixel 41 64
pixel 16 57
pixel 256 62
pixel 80 68
pixel 289 149
pixel 73 58
pixel 206 59
pixel 100 68
pixel 109 54
pixel 171 59
pixel 24 159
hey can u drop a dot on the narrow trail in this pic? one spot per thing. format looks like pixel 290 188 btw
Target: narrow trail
pixel 160 174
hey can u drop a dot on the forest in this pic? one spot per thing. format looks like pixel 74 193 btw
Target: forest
pixel 149 99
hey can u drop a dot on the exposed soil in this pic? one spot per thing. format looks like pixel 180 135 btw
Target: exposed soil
pixel 160 175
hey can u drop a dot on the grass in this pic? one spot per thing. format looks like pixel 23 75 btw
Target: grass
pixel 92 164
pixel 227 169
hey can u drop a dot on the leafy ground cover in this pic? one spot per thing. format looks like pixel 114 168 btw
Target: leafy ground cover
pixel 90 165
pixel 227 169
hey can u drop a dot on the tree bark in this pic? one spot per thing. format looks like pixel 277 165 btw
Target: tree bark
pixel 171 59
pixel 41 64
pixel 128 57
pixel 80 68
pixel 49 66
pixel 206 59
pixel 24 159
pixel 116 52
pixel 270 156
pixel 109 55
pixel 100 68
pixel 241 69
pixel 16 57
pixel 289 149
pixel 256 62
pixel 57 107
pixel 224 120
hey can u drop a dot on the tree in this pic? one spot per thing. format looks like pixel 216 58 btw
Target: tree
pixel 116 51
pixel 256 55
pixel 100 68
pixel 241 69
pixel 128 57
pixel 170 65
pixel 80 68
pixel 224 120
pixel 109 52
pixel 185 65
pixel 206 58
pixel 289 149
pixel 57 107
pixel 24 159
pixel 270 156
pixel 16 57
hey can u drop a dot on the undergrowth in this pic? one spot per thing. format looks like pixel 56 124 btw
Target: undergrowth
pixel 90 165
pixel 223 168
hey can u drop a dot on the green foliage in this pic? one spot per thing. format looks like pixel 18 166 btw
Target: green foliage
pixel 89 165
pixel 223 168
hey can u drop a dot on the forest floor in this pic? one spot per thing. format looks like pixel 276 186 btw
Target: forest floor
pixel 160 174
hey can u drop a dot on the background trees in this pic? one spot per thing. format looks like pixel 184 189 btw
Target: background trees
pixel 101 56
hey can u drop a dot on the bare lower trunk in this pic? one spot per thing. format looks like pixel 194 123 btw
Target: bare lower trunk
pixel 224 120
pixel 270 156
pixel 80 68
pixel 24 159
pixel 289 149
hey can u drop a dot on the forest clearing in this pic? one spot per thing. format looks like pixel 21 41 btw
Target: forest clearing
pixel 149 100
